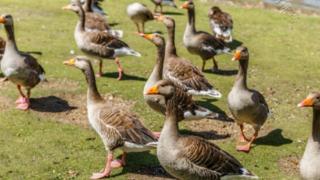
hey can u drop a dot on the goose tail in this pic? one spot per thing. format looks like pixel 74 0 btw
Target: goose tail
pixel 210 92
pixel 152 144
pixel 245 174
pixel 116 33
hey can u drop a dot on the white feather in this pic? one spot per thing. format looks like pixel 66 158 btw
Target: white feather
pixel 126 51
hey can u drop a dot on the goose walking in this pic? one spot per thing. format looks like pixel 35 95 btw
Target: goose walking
pixel 246 105
pixel 181 71
pixel 310 164
pixel 201 43
pixel 20 68
pixel 190 110
pixel 191 157
pixel 139 14
pixel 221 24
pixel 101 44
pixel 117 128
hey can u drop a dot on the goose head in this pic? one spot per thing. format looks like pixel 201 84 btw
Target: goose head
pixel 214 11
pixel 312 100
pixel 6 19
pixel 189 5
pixel 168 21
pixel 80 62
pixel 163 87
pixel 155 38
pixel 241 54
pixel 73 6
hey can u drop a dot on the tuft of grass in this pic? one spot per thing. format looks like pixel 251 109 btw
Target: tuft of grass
pixel 283 59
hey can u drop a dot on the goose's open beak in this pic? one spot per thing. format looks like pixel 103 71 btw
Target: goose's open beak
pixel 153 90
pixel 306 103
pixel 69 62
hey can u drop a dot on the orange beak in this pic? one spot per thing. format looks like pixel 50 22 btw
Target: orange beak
pixel 153 90
pixel 69 62
pixel 67 7
pixel 159 17
pixel 2 20
pixel 236 56
pixel 306 102
pixel 147 36
pixel 185 5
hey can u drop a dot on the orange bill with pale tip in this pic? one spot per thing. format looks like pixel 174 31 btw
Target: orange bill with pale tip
pixel 153 90
pixel 236 56
pixel 148 36
pixel 70 62
pixel 306 103
pixel 185 5
pixel 159 17
pixel 67 7
pixel 2 20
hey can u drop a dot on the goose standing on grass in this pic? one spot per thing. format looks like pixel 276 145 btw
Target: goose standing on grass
pixel 139 14
pixel 181 71
pixel 118 128
pixel 310 164
pixel 190 110
pixel 191 157
pixel 101 44
pixel 20 68
pixel 94 21
pixel 201 43
pixel 246 105
pixel 95 6
pixel 161 3
pixel 221 24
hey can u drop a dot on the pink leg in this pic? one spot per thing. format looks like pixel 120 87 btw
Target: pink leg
pixel 119 162
pixel 99 74
pixel 23 102
pixel 120 71
pixel 242 137
pixel 107 170
pixel 246 148
pixel 156 134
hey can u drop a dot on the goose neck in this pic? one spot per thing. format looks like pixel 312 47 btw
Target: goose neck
pixel 170 46
pixel 93 94
pixel 191 21
pixel 170 128
pixel 11 42
pixel 241 80
pixel 316 125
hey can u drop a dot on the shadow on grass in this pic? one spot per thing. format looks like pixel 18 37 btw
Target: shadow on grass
pixel 125 77
pixel 50 104
pixel 173 13
pixel 274 138
pixel 223 72
pixel 113 24
pixel 207 103
pixel 210 135
pixel 143 163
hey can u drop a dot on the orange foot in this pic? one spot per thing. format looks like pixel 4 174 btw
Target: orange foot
pixel 244 148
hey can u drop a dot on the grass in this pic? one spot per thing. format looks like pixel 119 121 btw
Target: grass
pixel 284 55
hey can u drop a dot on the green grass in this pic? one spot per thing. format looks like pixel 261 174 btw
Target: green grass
pixel 284 54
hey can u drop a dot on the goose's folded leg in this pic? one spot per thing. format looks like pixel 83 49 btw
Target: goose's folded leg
pixel 106 171
pixel 119 162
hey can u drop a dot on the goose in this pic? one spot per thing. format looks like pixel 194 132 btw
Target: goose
pixel 101 44
pixel 181 71
pixel 309 164
pixel 160 3
pixel 117 128
pixel 95 6
pixel 201 43
pixel 94 21
pixel 139 14
pixel 20 68
pixel 2 47
pixel 191 111
pixel 246 105
pixel 191 157
pixel 221 24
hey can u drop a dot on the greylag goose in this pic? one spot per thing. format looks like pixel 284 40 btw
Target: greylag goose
pixel 118 128
pixel 139 14
pixel 160 3
pixel 310 164
pixel 95 6
pixel 94 21
pixel 246 105
pixel 101 44
pixel 201 43
pixel 221 24
pixel 191 111
pixel 191 157
pixel 181 71
pixel 20 68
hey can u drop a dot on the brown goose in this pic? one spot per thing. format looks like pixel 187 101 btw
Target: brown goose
pixel 20 68
pixel 101 44
pixel 221 24
pixel 246 105
pixel 180 71
pixel 201 43
pixel 160 3
pixel 139 14
pixel 189 108
pixel 191 157
pixel 310 164
pixel 118 128
pixel 94 21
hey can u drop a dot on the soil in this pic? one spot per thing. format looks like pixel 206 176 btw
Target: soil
pixel 289 165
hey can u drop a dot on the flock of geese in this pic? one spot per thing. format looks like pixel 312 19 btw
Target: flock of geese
pixel 168 91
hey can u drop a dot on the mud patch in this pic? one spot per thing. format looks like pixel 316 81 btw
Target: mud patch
pixel 289 165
